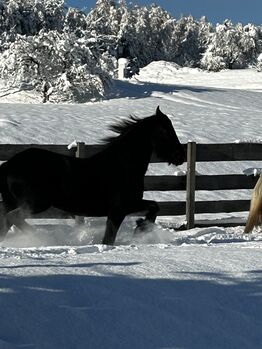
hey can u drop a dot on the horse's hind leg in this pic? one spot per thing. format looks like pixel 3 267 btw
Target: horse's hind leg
pixel 5 225
pixel 17 217
pixel 112 225
pixel 151 208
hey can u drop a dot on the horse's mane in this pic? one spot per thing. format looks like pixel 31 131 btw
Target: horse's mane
pixel 122 128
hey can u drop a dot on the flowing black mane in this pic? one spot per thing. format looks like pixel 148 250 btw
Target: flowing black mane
pixel 122 127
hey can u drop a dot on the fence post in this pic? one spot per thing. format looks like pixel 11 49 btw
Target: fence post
pixel 80 153
pixel 190 184
pixel 122 68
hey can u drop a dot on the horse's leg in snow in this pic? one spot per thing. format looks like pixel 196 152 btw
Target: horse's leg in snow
pixel 151 208
pixel 115 219
pixel 113 223
pixel 5 225
pixel 17 217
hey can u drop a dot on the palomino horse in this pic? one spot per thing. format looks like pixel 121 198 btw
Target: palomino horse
pixel 255 212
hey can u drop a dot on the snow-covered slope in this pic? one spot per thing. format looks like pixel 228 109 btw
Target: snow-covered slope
pixel 194 289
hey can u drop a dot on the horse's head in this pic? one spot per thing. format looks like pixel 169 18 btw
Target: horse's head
pixel 165 141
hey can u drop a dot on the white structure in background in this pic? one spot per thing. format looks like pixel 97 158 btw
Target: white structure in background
pixel 259 63
pixel 122 68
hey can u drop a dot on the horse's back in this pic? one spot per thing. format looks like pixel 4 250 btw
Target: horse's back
pixel 88 186
pixel 46 178
pixel 32 157
pixel 32 177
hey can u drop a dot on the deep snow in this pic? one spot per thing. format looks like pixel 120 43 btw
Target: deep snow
pixel 189 289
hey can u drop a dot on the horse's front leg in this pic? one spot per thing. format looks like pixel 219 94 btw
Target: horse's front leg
pixel 151 208
pixel 17 217
pixel 4 224
pixel 113 223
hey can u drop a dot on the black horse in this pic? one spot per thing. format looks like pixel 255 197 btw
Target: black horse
pixel 109 183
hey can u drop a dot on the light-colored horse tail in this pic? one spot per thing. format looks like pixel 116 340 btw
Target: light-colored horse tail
pixel 255 212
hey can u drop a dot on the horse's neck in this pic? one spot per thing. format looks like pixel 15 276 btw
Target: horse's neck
pixel 138 150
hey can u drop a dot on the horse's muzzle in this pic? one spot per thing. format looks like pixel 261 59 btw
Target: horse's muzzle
pixel 179 158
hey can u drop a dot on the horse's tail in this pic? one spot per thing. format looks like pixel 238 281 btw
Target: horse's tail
pixel 255 212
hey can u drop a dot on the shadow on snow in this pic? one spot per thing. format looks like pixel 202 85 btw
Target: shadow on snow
pixel 113 311
pixel 124 89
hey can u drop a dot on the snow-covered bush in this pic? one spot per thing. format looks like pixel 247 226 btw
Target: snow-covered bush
pixel 63 61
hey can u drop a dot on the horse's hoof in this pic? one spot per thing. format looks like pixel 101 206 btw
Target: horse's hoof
pixel 143 226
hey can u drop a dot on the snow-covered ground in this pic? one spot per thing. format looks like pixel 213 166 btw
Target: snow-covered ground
pixel 192 289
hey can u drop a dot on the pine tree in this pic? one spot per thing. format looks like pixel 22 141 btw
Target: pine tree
pixel 190 40
pixel 231 47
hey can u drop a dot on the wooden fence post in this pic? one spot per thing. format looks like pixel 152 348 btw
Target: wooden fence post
pixel 191 184
pixel 80 153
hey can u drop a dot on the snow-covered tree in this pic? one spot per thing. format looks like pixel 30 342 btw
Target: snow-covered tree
pixel 75 22
pixel 105 18
pixel 63 61
pixel 231 47
pixel 28 17
pixel 190 39
pixel 69 55
pixel 144 35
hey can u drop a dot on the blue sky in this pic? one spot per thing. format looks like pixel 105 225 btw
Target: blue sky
pixel 243 11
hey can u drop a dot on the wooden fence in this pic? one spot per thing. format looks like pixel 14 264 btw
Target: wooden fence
pixel 189 183
pixel 217 153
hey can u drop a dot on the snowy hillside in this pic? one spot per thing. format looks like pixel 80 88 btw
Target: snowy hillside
pixel 192 289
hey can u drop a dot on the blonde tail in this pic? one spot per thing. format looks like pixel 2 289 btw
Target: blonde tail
pixel 255 212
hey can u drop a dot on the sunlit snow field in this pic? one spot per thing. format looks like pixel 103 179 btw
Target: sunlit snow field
pixel 60 288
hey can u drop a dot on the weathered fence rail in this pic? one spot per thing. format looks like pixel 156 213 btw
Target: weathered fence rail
pixel 216 153
pixel 189 183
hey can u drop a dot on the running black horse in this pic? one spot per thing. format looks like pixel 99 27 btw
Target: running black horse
pixel 109 183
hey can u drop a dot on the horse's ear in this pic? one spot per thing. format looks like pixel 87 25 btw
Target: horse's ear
pixel 158 112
